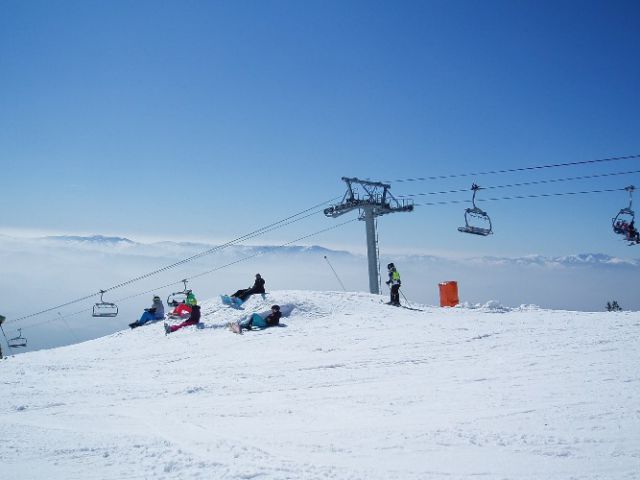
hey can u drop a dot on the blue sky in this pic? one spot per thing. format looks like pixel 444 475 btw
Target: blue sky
pixel 207 120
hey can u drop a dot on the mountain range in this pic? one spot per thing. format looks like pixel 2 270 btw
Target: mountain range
pixel 575 260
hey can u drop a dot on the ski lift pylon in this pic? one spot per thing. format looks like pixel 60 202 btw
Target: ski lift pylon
pixel 105 309
pixel 625 216
pixel 177 298
pixel 476 221
pixel 18 341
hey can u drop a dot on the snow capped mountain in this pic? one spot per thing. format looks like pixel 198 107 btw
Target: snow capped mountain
pixel 94 239
pixel 596 259
pixel 346 388
pixel 580 259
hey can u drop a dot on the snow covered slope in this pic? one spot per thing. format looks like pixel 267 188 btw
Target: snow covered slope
pixel 349 388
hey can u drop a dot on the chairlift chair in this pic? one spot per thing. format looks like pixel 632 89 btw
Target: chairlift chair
pixel 18 341
pixel 476 221
pixel 176 298
pixel 105 309
pixel 625 215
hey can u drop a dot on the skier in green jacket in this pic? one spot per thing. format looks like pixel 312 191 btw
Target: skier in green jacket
pixel 394 282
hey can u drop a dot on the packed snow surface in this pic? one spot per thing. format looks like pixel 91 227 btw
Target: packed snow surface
pixel 347 388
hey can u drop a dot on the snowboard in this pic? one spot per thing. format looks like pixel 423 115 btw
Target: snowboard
pixel 233 302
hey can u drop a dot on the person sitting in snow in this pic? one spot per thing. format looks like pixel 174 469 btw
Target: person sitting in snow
pixel 151 314
pixel 272 320
pixel 394 282
pixel 258 287
pixel 193 319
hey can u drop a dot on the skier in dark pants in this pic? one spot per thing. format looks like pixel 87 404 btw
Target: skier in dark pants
pixel 193 319
pixel 258 287
pixel 394 282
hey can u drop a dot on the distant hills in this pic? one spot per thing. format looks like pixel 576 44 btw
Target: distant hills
pixel 94 239
pixel 576 260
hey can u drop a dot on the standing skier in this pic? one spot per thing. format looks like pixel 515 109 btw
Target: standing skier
pixel 394 282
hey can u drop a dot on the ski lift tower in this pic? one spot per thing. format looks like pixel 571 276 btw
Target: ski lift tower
pixel 376 201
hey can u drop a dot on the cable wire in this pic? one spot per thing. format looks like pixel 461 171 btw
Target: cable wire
pixel 124 299
pixel 259 231
pixel 524 184
pixel 519 197
pixel 512 170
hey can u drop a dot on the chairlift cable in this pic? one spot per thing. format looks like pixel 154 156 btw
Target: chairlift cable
pixel 120 300
pixel 73 333
pixel 318 232
pixel 519 197
pixel 259 231
pixel 513 170
pixel 523 184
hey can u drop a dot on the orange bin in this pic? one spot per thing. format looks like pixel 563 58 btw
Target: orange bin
pixel 448 294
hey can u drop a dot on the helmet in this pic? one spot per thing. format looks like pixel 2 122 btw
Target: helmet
pixel 257 275
pixel 391 265
pixel 156 297
pixel 275 307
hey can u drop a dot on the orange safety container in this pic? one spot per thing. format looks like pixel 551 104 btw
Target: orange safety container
pixel 449 294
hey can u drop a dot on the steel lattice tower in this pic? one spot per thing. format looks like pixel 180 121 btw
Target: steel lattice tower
pixel 375 202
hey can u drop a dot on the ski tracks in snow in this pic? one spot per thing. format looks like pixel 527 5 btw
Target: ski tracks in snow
pixel 350 389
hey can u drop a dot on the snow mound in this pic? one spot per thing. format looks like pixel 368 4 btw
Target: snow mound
pixel 346 388
pixel 492 306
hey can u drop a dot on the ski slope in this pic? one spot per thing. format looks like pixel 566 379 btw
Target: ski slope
pixel 348 388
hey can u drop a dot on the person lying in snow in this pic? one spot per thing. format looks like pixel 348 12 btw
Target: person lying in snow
pixel 151 314
pixel 257 320
pixel 193 319
pixel 258 287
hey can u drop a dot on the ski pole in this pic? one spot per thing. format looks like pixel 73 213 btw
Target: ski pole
pixel 405 298
pixel 334 272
